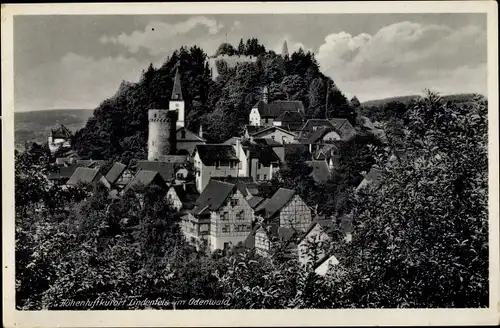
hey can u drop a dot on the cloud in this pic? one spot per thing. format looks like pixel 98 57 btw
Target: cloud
pixel 156 35
pixel 75 82
pixel 405 58
pixel 236 26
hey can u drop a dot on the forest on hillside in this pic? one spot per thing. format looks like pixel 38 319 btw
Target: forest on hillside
pixel 119 126
pixel 420 239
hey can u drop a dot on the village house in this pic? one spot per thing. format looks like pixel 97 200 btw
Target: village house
pixel 264 113
pixel 176 196
pixel 266 239
pixel 143 180
pixel 320 170
pixel 373 177
pixel 188 140
pixel 323 266
pixel 59 138
pixel 290 120
pixel 326 153
pixel 312 125
pixel 263 162
pixel 275 133
pixel 315 242
pixel 166 170
pixel 343 127
pixel 287 209
pixel 320 137
pixel 214 160
pixel 119 176
pixel 221 218
pixel 85 175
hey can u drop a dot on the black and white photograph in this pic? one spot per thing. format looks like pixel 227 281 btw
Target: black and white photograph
pixel 173 160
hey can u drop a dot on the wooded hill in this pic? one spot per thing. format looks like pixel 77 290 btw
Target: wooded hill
pixel 119 126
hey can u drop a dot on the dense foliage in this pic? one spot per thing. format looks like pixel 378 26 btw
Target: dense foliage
pixel 119 126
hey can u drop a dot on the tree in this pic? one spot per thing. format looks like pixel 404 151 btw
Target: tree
pixel 422 236
pixel 241 47
pixel 225 49
pixel 317 98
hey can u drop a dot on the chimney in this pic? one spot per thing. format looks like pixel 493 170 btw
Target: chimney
pixel 200 133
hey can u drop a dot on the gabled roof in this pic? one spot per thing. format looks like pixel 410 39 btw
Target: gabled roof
pixel 241 183
pixel 189 136
pixel 276 108
pixel 276 202
pixel 315 136
pixel 315 122
pixel 291 148
pixel 216 152
pixel 180 192
pixel 320 171
pixel 373 176
pixel 166 170
pixel 263 152
pixel 61 132
pixel 343 127
pixel 325 224
pixel 83 175
pixel 255 201
pixel 288 116
pixel 327 257
pixel 143 179
pixel 267 141
pixel 213 196
pixel 63 172
pixel 115 172
pixel 271 128
pixel 251 129
pixel 174 159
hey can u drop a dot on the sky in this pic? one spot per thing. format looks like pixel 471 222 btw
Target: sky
pixel 79 61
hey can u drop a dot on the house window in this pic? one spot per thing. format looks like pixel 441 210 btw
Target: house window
pixel 183 134
pixel 258 176
pixel 225 228
pixel 217 165
pixel 231 164
pixel 180 176
pixel 234 202
pixel 284 139
pixel 272 137
pixel 267 120
pixel 260 165
pixel 225 216
pixel 240 215
pixel 265 176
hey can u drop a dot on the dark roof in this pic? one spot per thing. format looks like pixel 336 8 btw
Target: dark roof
pixel 346 224
pixel 320 171
pixel 181 193
pixel 83 175
pixel 291 148
pixel 166 170
pixel 61 132
pixel 326 225
pixel 175 159
pixel 64 172
pixel 267 141
pixel 343 127
pixel 216 152
pixel 276 202
pixel 255 201
pixel 372 176
pixel 189 135
pixel 143 179
pixel 177 85
pixel 276 108
pixel 290 117
pixel 115 172
pixel 314 136
pixel 273 127
pixel 213 196
pixel 315 122
pixel 325 258
pixel 251 129
pixel 241 183
pixel 263 152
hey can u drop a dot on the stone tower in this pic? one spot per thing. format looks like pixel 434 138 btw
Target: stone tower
pixel 163 124
pixel 177 101
pixel 284 51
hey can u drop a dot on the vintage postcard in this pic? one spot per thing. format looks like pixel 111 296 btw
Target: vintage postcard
pixel 250 164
